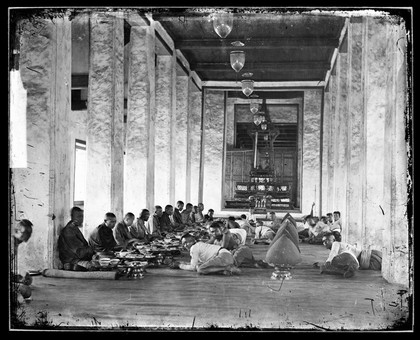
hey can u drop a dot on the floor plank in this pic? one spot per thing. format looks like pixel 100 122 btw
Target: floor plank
pixel 172 299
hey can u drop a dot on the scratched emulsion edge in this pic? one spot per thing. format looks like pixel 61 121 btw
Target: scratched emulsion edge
pixel 409 176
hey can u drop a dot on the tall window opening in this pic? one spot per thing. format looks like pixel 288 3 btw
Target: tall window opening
pixel 80 163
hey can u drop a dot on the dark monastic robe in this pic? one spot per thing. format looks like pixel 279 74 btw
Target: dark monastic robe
pixel 102 239
pixel 121 233
pixel 72 246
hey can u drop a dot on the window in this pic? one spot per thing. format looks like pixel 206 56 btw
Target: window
pixel 80 163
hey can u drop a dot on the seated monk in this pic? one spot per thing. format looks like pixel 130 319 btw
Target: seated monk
pixel 122 233
pixel 101 239
pixel 186 215
pixel 73 249
pixel 139 229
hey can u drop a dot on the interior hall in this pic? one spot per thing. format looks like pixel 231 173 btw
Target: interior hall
pixel 269 118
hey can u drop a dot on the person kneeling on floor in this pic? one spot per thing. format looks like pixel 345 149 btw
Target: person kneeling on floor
pixel 206 258
pixel 342 259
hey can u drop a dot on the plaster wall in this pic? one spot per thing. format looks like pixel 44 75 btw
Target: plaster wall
pixel 375 168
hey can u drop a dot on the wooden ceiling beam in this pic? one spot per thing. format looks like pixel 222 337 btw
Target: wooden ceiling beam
pixel 284 42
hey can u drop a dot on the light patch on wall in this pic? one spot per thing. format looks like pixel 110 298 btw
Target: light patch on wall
pixel 17 132
pixel 80 173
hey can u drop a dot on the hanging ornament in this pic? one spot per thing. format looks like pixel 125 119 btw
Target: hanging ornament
pixel 247 87
pixel 264 126
pixel 254 105
pixel 237 60
pixel 257 119
pixel 222 24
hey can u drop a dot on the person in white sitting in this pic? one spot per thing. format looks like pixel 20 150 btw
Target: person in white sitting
pixel 342 259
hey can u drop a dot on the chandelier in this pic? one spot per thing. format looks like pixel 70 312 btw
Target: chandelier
pixel 237 60
pixel 254 104
pixel 247 86
pixel 223 23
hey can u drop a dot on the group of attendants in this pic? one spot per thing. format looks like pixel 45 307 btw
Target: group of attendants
pixel 224 251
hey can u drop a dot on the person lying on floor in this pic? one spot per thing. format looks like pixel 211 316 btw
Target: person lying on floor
pixel 122 233
pixel 74 251
pixel 232 240
pixel 101 239
pixel 206 258
pixel 342 259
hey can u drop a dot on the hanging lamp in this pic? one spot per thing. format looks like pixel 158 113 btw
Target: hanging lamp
pixel 254 105
pixel 237 60
pixel 264 126
pixel 222 24
pixel 247 86
pixel 257 119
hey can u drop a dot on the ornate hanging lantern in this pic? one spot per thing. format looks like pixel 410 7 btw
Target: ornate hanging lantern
pixel 254 105
pixel 222 24
pixel 247 87
pixel 264 126
pixel 257 119
pixel 237 60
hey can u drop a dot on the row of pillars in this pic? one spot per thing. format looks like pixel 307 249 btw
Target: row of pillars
pixel 151 159
pixel 158 167
pixel 364 170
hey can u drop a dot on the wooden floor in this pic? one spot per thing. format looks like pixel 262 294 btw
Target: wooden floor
pixel 173 299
